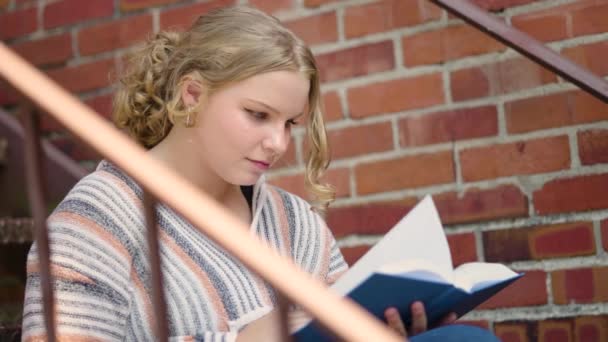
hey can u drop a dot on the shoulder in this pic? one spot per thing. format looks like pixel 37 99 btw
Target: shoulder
pixel 292 204
pixel 105 187
pixel 105 200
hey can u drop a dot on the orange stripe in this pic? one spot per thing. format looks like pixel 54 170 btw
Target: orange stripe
pixel 216 302
pixel 60 272
pixel 92 227
pixel 63 338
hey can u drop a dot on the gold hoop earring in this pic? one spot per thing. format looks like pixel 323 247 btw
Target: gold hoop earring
pixel 190 117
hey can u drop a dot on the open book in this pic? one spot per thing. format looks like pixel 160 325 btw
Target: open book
pixel 413 262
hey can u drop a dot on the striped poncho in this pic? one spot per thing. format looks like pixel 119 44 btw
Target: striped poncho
pixel 102 279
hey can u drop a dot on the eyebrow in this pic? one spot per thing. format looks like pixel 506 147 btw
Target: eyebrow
pixel 272 109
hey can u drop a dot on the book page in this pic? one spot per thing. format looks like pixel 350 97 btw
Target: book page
pixel 419 235
pixel 417 269
pixel 474 275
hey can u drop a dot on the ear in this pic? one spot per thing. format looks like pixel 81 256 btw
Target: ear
pixel 193 91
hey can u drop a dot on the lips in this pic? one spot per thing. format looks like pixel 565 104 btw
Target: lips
pixel 262 165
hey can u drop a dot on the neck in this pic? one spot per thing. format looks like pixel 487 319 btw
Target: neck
pixel 171 152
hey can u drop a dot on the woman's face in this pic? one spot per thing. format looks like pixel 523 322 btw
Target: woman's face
pixel 244 128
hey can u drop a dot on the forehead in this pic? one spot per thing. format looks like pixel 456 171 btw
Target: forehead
pixel 286 91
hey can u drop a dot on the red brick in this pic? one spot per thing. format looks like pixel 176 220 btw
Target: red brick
pixel 332 107
pixel 102 104
pixel 544 27
pixel 513 332
pixel 520 73
pixel 129 5
pixel 403 173
pixel 555 331
pixel 498 5
pixel 588 108
pixel 8 95
pixel 462 248
pixel 553 241
pixel 114 35
pixel 584 285
pixel 479 205
pixel 338 178
pixel 349 142
pixel 500 78
pixel 396 95
pixel 523 157
pixel 506 245
pixel 75 149
pixel 591 328
pixel 580 193
pixel 317 29
pixel 49 124
pixel 272 6
pixel 472 83
pixel 84 77
pixel 445 44
pixel 448 126
pixel 67 12
pixel 374 218
pixel 18 23
pixel 357 61
pixel 183 17
pixel 593 146
pixel 387 15
pixel 569 108
pixel 317 3
pixel 352 254
pixel 605 234
pixel 591 19
pixel 54 49
pixel 565 240
pixel 531 114
pixel 529 290
pixel 590 56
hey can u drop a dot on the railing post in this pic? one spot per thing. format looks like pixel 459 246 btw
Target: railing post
pixel 35 190
pixel 3 151
pixel 158 295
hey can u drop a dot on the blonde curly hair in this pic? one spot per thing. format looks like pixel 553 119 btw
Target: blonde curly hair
pixel 222 47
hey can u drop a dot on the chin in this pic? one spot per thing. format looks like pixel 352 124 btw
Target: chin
pixel 244 180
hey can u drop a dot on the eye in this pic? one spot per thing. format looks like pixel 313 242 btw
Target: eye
pixel 291 122
pixel 257 115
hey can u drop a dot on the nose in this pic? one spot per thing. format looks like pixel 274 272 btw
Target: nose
pixel 276 141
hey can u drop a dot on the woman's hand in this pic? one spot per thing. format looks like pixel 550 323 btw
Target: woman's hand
pixel 419 321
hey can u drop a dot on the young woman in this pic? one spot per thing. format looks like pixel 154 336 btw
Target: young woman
pixel 216 103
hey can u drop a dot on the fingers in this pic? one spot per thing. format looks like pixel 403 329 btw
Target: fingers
pixel 419 322
pixel 394 321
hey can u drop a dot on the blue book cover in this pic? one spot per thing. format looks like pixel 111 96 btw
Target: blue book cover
pixel 411 263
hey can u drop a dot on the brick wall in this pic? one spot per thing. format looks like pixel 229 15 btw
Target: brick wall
pixel 417 103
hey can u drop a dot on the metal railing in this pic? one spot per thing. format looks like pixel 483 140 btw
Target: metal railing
pixel 345 319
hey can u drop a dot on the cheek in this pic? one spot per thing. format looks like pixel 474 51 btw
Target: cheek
pixel 237 130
